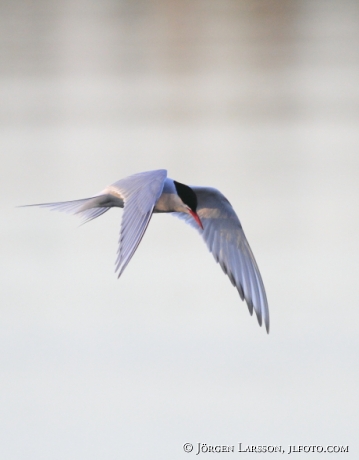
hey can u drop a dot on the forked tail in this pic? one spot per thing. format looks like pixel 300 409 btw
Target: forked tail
pixel 87 208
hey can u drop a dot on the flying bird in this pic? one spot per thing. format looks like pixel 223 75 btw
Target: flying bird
pixel 204 208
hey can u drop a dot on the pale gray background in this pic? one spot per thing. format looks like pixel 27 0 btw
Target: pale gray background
pixel 257 98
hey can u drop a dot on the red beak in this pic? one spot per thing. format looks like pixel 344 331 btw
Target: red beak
pixel 196 218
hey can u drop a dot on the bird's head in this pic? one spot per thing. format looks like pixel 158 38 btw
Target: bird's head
pixel 189 199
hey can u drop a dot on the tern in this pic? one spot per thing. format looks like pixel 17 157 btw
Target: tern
pixel 204 208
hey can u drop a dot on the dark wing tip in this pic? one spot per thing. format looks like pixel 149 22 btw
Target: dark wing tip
pixel 266 320
pixel 259 317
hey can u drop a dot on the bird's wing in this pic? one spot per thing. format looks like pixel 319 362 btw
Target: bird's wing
pixel 224 236
pixel 140 193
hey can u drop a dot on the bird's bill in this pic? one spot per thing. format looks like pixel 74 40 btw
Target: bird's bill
pixel 196 218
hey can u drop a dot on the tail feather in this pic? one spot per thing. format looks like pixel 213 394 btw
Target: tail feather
pixel 87 208
pixel 91 214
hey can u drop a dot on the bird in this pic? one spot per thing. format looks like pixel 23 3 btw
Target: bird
pixel 204 208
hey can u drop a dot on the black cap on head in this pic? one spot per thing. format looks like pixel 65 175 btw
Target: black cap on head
pixel 187 195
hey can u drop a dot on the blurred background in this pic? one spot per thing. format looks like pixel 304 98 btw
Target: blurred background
pixel 257 98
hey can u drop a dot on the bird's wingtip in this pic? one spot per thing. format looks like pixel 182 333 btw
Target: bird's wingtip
pixel 267 324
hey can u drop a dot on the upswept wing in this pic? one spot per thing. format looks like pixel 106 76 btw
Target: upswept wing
pixel 224 236
pixel 140 193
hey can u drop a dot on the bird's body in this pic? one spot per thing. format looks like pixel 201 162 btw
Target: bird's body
pixel 205 208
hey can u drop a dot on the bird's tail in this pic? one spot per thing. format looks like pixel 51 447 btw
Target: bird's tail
pixel 87 208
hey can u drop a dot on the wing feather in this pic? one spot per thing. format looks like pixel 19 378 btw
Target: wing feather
pixel 224 236
pixel 140 193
